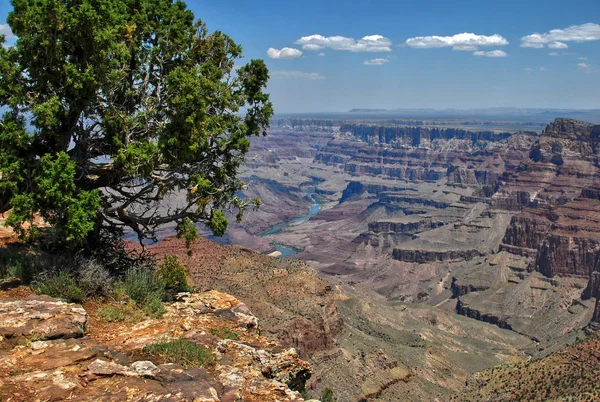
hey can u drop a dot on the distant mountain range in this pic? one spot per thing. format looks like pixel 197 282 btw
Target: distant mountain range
pixel 498 113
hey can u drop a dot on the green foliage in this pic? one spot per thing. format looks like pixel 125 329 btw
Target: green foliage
pixel 112 105
pixel 146 290
pixel 225 333
pixel 327 395
pixel 121 312
pixel 140 283
pixel 60 285
pixel 188 231
pixel 153 306
pixel 94 277
pixel 180 351
pixel 172 274
pixel 18 266
pixel 68 210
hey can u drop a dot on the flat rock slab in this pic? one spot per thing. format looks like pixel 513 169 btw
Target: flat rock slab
pixel 43 316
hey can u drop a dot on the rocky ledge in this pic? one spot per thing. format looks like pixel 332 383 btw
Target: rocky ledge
pixel 45 355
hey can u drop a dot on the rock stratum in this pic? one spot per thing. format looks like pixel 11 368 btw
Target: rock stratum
pixel 46 354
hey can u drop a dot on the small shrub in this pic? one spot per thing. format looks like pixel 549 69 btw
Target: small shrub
pixel 172 274
pixel 141 284
pixel 93 277
pixel 180 351
pixel 225 333
pixel 111 314
pixel 21 267
pixel 153 306
pixel 128 312
pixel 60 285
pixel 327 395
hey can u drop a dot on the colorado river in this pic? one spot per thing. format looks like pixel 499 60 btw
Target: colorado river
pixel 314 210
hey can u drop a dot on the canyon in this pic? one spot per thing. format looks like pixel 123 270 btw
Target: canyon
pixel 426 230
pixel 389 260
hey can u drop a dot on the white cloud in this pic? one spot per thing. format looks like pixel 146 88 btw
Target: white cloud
pixel 5 30
pixel 321 54
pixel 285 53
pixel 492 53
pixel 376 62
pixel 582 58
pixel 555 38
pixel 584 66
pixel 528 69
pixel 554 54
pixel 542 68
pixel 463 41
pixel 370 43
pixel 557 45
pixel 297 74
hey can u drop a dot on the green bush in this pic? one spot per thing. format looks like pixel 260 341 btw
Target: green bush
pixel 327 395
pixel 225 333
pixel 145 289
pixel 153 306
pixel 19 266
pixel 180 351
pixel 60 285
pixel 112 313
pixel 93 277
pixel 172 273
pixel 127 312
pixel 141 284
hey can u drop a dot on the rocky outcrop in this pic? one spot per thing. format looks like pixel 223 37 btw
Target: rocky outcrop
pixel 294 305
pixel 428 256
pixel 42 317
pixel 562 162
pixel 416 136
pixel 35 367
pixel 459 289
pixel 404 228
pixel 464 309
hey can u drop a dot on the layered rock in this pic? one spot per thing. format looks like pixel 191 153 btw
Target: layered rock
pixel 35 367
pixel 560 164
pixel 561 215
pixel 427 256
pixel 404 228
pixel 416 136
pixel 557 191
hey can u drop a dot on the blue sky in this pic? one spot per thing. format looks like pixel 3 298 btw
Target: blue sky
pixel 400 64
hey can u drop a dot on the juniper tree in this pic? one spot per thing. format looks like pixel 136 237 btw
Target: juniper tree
pixel 123 114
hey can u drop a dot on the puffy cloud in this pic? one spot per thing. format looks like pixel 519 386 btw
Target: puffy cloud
pixel 463 41
pixel 370 43
pixel 376 62
pixel 296 74
pixel 5 30
pixel 582 58
pixel 584 66
pixel 492 53
pixel 321 54
pixel 285 53
pixel 555 38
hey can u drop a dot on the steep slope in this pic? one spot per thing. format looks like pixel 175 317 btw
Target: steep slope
pixel 570 374
pixel 293 304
